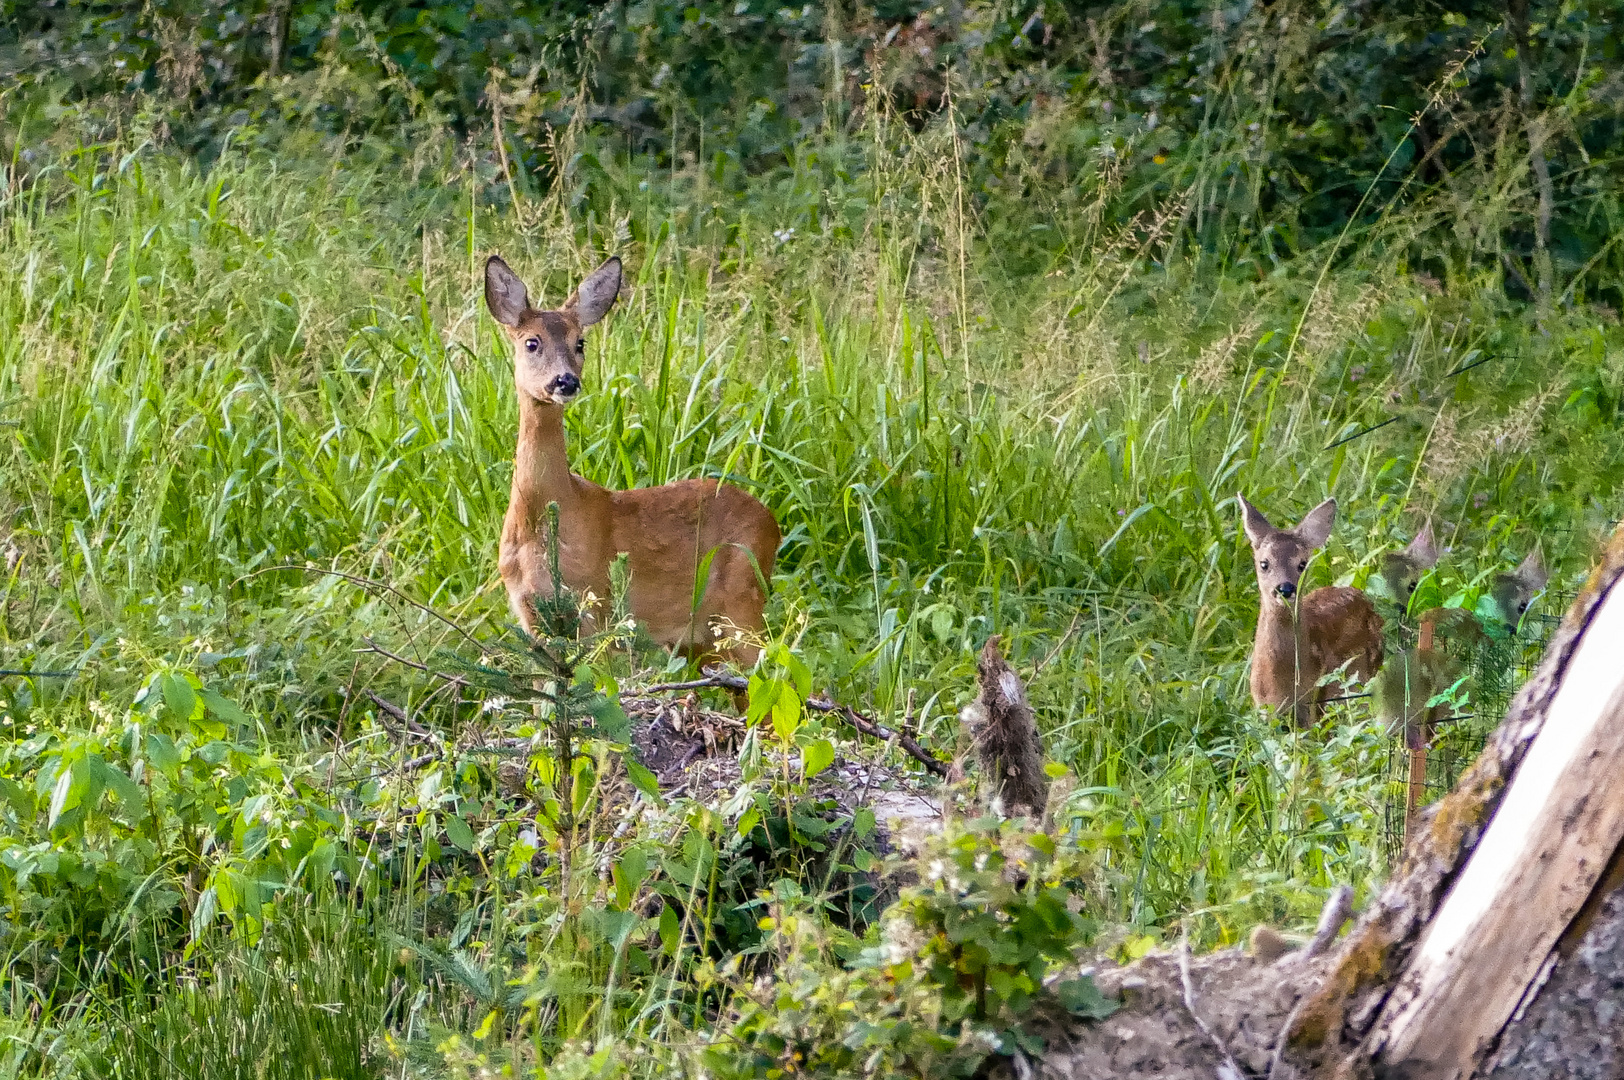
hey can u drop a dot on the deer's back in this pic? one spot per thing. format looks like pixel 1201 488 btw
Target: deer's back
pixel 678 524
pixel 1339 624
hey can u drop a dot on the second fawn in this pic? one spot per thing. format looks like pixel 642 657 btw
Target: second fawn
pixel 1456 643
pixel 667 532
pixel 1301 639
pixel 1409 678
pixel 1401 571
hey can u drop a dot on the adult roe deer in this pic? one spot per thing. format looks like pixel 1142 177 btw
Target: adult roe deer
pixel 667 531
pixel 1302 638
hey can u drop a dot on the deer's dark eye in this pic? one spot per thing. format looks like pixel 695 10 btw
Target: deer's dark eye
pixel 1412 586
pixel 1301 566
pixel 1263 564
pixel 580 347
pixel 532 344
pixel 1522 607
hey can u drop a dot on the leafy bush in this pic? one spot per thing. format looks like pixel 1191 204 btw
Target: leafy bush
pixel 964 965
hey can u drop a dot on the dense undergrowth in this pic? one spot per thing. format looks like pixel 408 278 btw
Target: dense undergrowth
pixel 258 432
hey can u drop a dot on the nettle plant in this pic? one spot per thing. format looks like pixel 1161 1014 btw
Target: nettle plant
pixel 163 812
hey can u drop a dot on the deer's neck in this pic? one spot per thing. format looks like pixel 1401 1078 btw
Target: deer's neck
pixel 1276 629
pixel 541 468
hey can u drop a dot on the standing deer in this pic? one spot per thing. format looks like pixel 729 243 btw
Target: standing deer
pixel 667 532
pixel 1409 679
pixel 1300 639
pixel 1401 571
pixel 1454 643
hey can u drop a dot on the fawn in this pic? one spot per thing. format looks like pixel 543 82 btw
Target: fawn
pixel 1411 677
pixel 1300 639
pixel 667 532
pixel 1450 645
pixel 1402 571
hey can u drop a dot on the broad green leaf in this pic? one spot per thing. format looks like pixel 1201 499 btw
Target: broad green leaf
pixel 223 707
pixel 584 778
pixel 428 789
pixel 786 716
pixel 179 696
pixel 208 905
pixel 817 757
pixel 60 795
pixel 862 822
pixel 763 694
pixel 670 930
pixel 458 832
pixel 1082 998
pixel 629 873
pixel 162 753
pixel 125 790
pixel 749 820
pixel 609 720
pixel 644 780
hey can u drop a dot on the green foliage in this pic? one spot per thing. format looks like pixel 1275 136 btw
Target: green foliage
pixel 959 970
pixel 149 823
pixel 1273 128
pixel 313 995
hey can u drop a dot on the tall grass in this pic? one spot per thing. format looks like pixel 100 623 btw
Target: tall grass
pixel 219 382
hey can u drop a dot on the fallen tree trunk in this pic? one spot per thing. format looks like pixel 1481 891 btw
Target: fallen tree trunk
pixel 1500 926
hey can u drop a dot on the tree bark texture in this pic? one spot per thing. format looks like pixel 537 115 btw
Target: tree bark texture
pixel 1574 1027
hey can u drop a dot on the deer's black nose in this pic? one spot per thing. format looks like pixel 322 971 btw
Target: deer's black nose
pixel 1286 589
pixel 565 386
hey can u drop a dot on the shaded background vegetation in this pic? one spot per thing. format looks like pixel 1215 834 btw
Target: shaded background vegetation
pixel 1277 124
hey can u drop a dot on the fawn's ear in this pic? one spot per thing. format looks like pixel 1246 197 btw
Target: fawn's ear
pixel 1315 527
pixel 593 298
pixel 1257 526
pixel 505 294
pixel 1422 551
pixel 1531 572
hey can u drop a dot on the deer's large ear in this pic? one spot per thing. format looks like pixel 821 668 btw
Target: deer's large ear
pixel 1422 550
pixel 1257 526
pixel 505 294
pixel 592 300
pixel 1315 527
pixel 1531 572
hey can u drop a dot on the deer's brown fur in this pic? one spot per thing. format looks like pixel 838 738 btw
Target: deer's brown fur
pixel 666 531
pixel 1300 639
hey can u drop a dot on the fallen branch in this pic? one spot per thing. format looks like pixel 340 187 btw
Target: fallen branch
pixel 722 681
pixel 374 647
pixel 399 714
pixel 1227 1067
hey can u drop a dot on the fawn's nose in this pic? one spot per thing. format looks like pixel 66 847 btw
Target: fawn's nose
pixel 564 387
pixel 1286 589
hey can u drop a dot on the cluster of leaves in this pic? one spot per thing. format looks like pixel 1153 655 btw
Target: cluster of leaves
pixel 970 962
pixel 167 814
